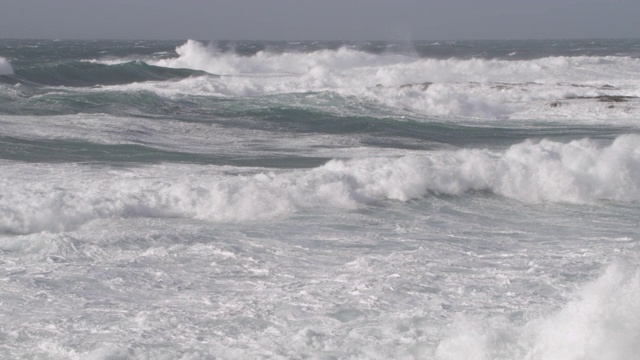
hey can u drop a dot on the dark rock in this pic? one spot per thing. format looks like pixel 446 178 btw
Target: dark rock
pixel 614 98
pixel 501 87
pixel 579 85
pixel 603 98
pixel 422 86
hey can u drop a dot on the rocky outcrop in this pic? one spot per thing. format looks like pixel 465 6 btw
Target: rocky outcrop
pixel 421 86
pixel 604 98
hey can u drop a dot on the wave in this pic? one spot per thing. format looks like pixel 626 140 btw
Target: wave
pixel 5 67
pixel 198 56
pixel 549 88
pixel 80 74
pixel 387 69
pixel 600 323
pixel 471 88
pixel 456 101
pixel 21 101
pixel 453 103
pixel 576 172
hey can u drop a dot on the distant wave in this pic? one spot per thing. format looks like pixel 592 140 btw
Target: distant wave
pixel 347 67
pixel 474 87
pixel 91 74
pixel 548 88
pixel 5 67
pixel 548 171
pixel 198 56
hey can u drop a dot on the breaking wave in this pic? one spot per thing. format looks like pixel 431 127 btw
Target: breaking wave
pixel 576 172
pixel 543 88
pixel 601 322
pixel 475 87
pixel 346 67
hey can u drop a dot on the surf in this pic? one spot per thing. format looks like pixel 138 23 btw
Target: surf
pixel 578 172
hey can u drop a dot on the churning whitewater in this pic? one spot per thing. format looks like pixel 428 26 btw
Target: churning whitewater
pixel 324 200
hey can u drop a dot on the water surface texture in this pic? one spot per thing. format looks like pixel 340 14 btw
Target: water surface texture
pixel 322 200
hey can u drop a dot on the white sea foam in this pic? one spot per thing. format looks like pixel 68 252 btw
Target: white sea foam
pixel 602 322
pixel 577 172
pixel 337 66
pixel 5 67
pixel 470 88
pixel 472 101
pixel 197 56
pixel 477 88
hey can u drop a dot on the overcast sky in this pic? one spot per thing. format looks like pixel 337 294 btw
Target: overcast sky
pixel 320 19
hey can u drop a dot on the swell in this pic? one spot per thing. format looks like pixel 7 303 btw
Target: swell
pixel 146 119
pixel 81 74
pixel 65 101
pixel 75 151
pixel 415 132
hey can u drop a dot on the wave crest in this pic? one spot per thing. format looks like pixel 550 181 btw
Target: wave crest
pixel 198 56
pixel 346 66
pixel 576 172
pixel 477 88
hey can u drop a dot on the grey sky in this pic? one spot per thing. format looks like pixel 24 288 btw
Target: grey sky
pixel 319 19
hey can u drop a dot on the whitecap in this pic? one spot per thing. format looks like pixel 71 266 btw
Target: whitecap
pixel 547 171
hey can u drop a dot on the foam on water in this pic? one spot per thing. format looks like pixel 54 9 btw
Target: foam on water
pixel 336 67
pixel 243 299
pixel 453 101
pixel 5 67
pixel 476 88
pixel 577 172
pixel 197 56
pixel 602 321
pixel 149 220
pixel 548 88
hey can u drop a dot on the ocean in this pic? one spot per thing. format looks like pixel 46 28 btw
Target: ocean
pixel 320 200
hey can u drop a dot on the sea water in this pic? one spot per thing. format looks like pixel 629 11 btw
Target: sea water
pixel 323 200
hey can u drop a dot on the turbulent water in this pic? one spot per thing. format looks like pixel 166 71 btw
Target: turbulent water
pixel 323 200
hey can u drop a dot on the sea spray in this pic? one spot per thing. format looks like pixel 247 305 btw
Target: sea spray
pixel 600 321
pixel 5 67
